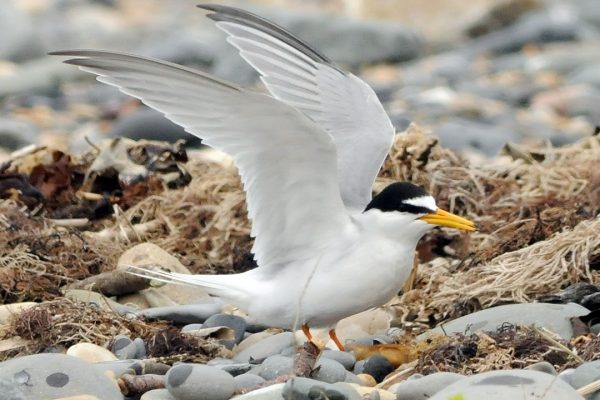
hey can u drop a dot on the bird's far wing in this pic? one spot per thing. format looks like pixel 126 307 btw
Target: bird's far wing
pixel 341 103
pixel 286 162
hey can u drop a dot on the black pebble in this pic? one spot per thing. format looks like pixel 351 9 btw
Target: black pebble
pixel 378 367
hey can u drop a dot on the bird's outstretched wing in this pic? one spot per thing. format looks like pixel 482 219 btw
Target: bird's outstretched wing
pixel 286 162
pixel 339 102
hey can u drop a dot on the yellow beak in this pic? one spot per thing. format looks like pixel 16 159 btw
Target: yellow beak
pixel 444 218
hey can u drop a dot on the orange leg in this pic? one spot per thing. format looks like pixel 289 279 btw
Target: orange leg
pixel 335 339
pixel 307 333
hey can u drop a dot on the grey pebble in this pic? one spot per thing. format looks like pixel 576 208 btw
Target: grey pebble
pixel 352 378
pixel 309 389
pixel 329 370
pixel 191 327
pixel 543 366
pixel 238 324
pixel 197 381
pixel 247 381
pixel 587 372
pixel 509 384
pixel 183 314
pixel 157 394
pixel 267 347
pixel 275 366
pixel 359 367
pixel 425 386
pixel 346 359
pixel 54 376
pixel 232 367
pixel 378 367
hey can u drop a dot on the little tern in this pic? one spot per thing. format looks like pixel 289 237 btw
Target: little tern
pixel 308 153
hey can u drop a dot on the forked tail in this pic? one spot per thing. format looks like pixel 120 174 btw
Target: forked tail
pixel 214 284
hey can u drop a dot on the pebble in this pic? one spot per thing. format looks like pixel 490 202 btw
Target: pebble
pixel 275 366
pixel 247 381
pixel 157 394
pixel 230 366
pixel 197 381
pixel 509 384
pixel 266 347
pixel 543 366
pixel 53 375
pixel 90 352
pixel 7 311
pixel 366 380
pixel 183 314
pixel 425 386
pixel 272 392
pixel 378 367
pixel 359 367
pixel 329 370
pixel 191 327
pixel 587 372
pixel 344 358
pixel 307 389
pixel 554 317
pixel 238 324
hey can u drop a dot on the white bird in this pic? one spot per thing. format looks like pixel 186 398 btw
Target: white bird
pixel 308 153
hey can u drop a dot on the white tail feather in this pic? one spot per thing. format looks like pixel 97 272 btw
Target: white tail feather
pixel 204 281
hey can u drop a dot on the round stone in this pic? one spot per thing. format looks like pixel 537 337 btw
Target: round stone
pixel 328 370
pixel 247 381
pixel 543 366
pixel 275 366
pixel 197 381
pixel 54 376
pixel 91 353
pixel 424 387
pixel 346 359
pixel 378 367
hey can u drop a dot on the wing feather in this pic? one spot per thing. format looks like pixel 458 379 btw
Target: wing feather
pixel 287 163
pixel 339 102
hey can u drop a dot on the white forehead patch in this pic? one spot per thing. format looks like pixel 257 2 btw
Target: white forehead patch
pixel 423 201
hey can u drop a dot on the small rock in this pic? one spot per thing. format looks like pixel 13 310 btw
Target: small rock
pixel 359 367
pixel 196 381
pixel 364 324
pixel 275 366
pixel 366 380
pixel 272 392
pixel 344 358
pixel 543 366
pixel 124 348
pixel 554 317
pixel 9 310
pixel 90 352
pixel 183 314
pixel 329 370
pixel 247 381
pixel 378 367
pixel 509 384
pixel 140 348
pixel 307 389
pixel 351 378
pixel 191 327
pixel 157 394
pixel 425 386
pixel 566 375
pixel 116 369
pixel 587 372
pixel 230 366
pixel 238 324
pixel 149 254
pixel 269 346
pixel 53 376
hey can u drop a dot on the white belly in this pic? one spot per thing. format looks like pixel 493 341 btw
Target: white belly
pixel 326 289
